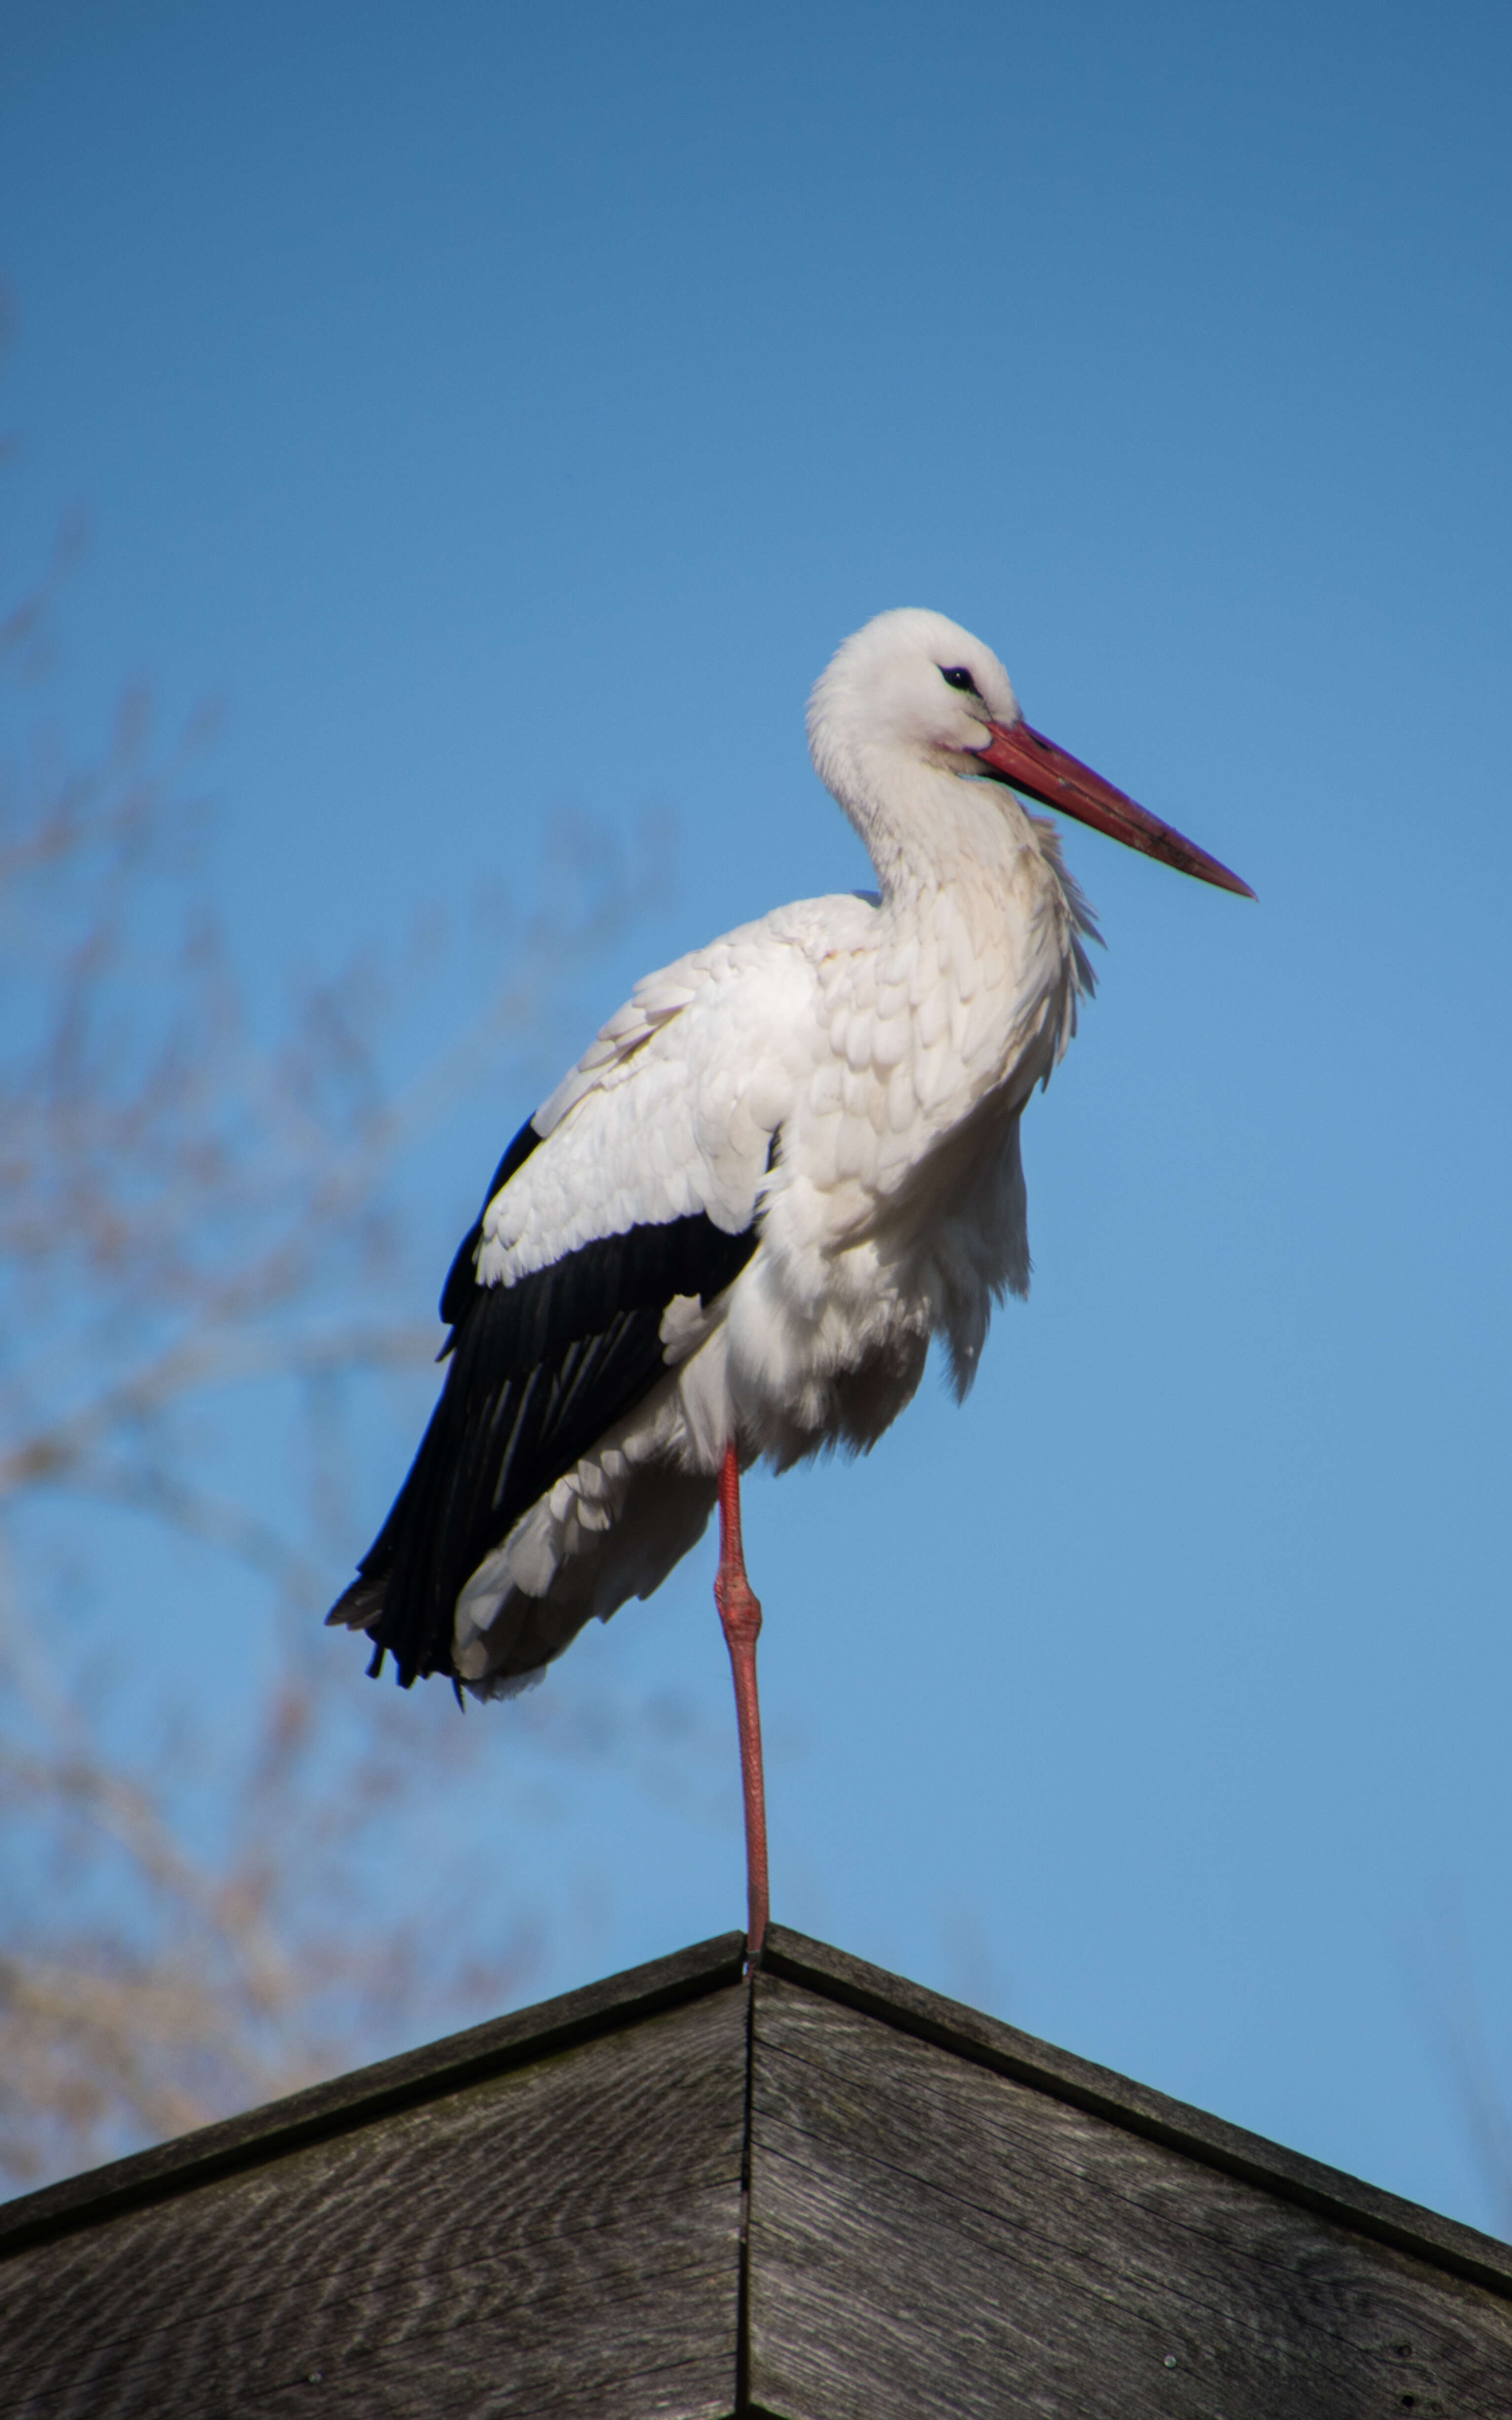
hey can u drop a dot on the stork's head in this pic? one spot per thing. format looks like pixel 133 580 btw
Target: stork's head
pixel 913 692
pixel 914 683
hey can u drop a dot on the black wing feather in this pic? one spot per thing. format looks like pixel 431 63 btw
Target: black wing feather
pixel 539 1370
pixel 462 1277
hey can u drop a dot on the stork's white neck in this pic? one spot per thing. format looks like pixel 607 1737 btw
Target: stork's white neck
pixel 928 829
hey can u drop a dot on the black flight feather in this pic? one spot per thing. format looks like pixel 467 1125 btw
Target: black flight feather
pixel 539 1370
pixel 462 1277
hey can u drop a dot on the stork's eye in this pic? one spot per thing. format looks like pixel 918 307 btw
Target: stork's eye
pixel 958 678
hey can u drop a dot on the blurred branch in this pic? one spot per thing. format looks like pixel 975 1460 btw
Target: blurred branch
pixel 194 1214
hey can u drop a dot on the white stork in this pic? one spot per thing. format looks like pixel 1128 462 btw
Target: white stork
pixel 788 1162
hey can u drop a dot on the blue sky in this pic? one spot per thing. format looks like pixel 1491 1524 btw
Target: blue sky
pixel 500 407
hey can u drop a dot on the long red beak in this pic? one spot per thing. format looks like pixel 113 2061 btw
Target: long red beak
pixel 1030 763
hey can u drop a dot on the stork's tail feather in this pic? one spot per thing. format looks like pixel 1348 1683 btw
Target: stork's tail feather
pixel 367 1605
pixel 360 1607
pixel 397 1597
pixel 398 1600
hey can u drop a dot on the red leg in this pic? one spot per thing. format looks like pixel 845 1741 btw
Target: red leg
pixel 741 1614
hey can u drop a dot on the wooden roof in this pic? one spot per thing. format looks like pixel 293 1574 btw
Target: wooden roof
pixel 818 2193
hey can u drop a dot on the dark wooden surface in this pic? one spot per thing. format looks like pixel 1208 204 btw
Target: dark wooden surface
pixel 559 2238
pixel 929 2236
pixel 544 2217
pixel 986 2042
pixel 369 2094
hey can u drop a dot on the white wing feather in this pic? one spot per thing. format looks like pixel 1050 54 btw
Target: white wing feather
pixel 672 1108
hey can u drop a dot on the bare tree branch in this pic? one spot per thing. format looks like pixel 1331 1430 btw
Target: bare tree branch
pixel 200 1228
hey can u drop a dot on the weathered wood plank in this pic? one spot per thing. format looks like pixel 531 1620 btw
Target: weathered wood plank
pixel 985 2041
pixel 371 2092
pixel 559 2238
pixel 541 2218
pixel 931 2237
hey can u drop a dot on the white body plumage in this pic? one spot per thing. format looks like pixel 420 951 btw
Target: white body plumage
pixel 829 1098
pixel 891 1043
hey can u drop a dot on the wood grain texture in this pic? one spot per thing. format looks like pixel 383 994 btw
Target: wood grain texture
pixel 986 2041
pixel 541 2218
pixel 560 2238
pixel 370 2093
pixel 930 2237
